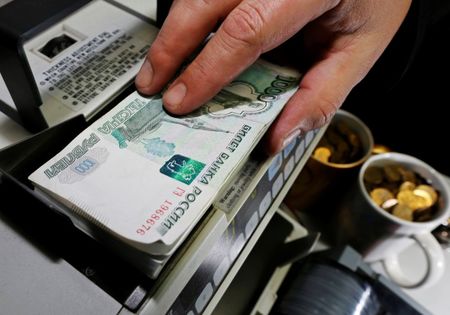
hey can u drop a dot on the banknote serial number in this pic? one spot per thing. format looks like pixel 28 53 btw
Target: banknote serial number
pixel 156 215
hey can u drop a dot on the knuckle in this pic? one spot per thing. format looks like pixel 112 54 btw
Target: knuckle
pixel 159 54
pixel 194 6
pixel 348 17
pixel 200 70
pixel 325 112
pixel 198 4
pixel 162 43
pixel 245 25
pixel 207 2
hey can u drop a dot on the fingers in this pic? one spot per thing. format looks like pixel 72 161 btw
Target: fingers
pixel 251 28
pixel 187 25
pixel 346 60
pixel 322 91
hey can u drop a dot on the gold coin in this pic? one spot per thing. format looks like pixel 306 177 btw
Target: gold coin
pixel 404 212
pixel 322 154
pixel 388 204
pixel 422 190
pixel 379 148
pixel 380 195
pixel 413 201
pixel 343 128
pixel 333 136
pixel 341 155
pixel 345 143
pixel 425 195
pixel 355 147
pixel 353 139
pixel 407 175
pixel 407 186
pixel 373 175
pixel 392 173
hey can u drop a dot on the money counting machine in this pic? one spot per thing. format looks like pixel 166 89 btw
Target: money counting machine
pixel 63 58
pixel 48 265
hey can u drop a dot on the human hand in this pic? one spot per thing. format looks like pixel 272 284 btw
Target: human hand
pixel 345 38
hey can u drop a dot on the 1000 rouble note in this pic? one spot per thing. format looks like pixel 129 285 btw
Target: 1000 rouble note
pixel 145 176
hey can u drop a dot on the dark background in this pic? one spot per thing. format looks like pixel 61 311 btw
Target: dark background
pixel 405 98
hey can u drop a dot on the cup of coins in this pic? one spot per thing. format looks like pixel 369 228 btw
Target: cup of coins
pixel 334 163
pixel 398 200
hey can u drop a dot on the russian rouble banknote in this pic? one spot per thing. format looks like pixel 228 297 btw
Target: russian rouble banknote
pixel 146 176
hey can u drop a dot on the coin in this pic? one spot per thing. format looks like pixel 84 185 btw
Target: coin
pixel 341 156
pixel 379 148
pixel 333 136
pixel 413 201
pixel 407 175
pixel 407 186
pixel 407 189
pixel 322 154
pixel 344 144
pixel 402 211
pixel 380 195
pixel 343 128
pixel 389 204
pixel 424 190
pixel 373 175
pixel 355 146
pixel 392 173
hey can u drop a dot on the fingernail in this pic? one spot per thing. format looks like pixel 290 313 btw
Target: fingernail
pixel 145 76
pixel 175 95
pixel 291 136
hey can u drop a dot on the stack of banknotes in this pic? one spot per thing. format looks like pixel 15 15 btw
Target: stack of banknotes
pixel 146 177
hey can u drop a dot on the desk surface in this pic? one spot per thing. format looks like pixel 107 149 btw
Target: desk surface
pixel 10 132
